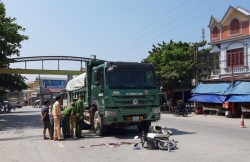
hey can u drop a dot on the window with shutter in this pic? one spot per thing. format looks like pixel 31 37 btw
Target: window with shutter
pixel 235 27
pixel 215 32
pixel 235 57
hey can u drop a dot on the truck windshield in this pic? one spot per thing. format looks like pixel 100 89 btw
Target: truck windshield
pixel 126 78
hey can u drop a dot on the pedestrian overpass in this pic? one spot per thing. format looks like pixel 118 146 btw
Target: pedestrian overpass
pixel 69 73
pixel 43 71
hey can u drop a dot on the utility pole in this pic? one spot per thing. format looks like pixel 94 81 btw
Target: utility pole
pixel 232 76
pixel 232 84
pixel 41 96
pixel 196 63
pixel 196 71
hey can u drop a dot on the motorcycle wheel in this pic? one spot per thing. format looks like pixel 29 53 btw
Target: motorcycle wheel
pixel 175 113
pixel 185 113
pixel 164 146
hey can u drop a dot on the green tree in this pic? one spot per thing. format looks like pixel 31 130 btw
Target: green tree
pixel 174 62
pixel 205 62
pixel 10 44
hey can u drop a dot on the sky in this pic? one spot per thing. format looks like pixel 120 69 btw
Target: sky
pixel 114 30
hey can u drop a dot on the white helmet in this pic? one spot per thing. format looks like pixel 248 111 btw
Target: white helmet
pixel 157 129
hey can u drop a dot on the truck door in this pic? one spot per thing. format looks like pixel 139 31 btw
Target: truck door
pixel 97 91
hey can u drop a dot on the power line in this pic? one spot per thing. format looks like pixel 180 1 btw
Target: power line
pixel 160 27
pixel 172 29
pixel 144 27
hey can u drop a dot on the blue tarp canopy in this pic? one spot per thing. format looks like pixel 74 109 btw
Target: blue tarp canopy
pixel 240 88
pixel 210 98
pixel 217 92
pixel 240 92
pixel 238 98
pixel 211 88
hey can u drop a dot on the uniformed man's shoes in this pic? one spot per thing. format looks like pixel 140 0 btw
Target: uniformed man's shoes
pixel 68 137
pixel 80 137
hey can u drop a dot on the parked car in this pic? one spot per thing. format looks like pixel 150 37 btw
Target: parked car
pixel 18 104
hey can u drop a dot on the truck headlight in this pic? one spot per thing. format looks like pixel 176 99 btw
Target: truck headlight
pixel 110 113
pixel 156 110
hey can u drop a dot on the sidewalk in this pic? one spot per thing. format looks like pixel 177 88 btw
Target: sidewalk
pixel 208 120
pixel 205 115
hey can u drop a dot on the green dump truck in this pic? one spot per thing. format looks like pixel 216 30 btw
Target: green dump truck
pixel 117 94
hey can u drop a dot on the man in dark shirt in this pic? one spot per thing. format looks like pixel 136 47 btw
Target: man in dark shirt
pixel 46 120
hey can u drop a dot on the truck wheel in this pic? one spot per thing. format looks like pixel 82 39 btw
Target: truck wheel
pixel 100 129
pixel 145 125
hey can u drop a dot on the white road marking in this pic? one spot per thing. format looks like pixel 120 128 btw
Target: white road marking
pixel 60 145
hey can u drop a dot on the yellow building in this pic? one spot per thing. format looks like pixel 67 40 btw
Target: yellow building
pixel 30 94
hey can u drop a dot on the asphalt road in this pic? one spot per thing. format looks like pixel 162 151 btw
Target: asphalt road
pixel 200 138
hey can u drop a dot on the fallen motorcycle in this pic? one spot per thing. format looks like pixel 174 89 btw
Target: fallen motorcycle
pixel 157 138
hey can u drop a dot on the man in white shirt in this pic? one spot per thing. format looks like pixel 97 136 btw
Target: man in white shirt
pixel 57 116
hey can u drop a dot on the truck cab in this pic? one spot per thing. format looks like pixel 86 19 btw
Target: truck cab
pixel 119 94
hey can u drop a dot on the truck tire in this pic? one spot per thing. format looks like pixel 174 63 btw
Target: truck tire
pixel 100 129
pixel 145 125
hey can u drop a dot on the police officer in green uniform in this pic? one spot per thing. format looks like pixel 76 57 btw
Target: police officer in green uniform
pixel 70 110
pixel 79 116
pixel 52 120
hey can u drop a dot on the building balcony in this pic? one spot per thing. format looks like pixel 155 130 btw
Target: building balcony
pixel 236 70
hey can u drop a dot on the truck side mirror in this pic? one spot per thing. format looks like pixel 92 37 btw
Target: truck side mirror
pixel 97 77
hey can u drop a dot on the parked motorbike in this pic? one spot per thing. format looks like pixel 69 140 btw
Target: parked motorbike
pixel 7 108
pixel 180 110
pixel 164 107
pixel 157 138
pixel 183 112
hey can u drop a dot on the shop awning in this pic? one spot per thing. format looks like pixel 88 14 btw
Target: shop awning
pixel 210 98
pixel 238 98
pixel 240 88
pixel 212 88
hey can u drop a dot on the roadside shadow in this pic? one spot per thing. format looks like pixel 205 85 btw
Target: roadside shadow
pixel 18 112
pixel 30 138
pixel 179 132
pixel 123 133
pixel 20 121
pixel 181 116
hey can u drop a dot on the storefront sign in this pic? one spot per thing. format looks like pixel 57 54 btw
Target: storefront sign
pixel 54 84
pixel 33 94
